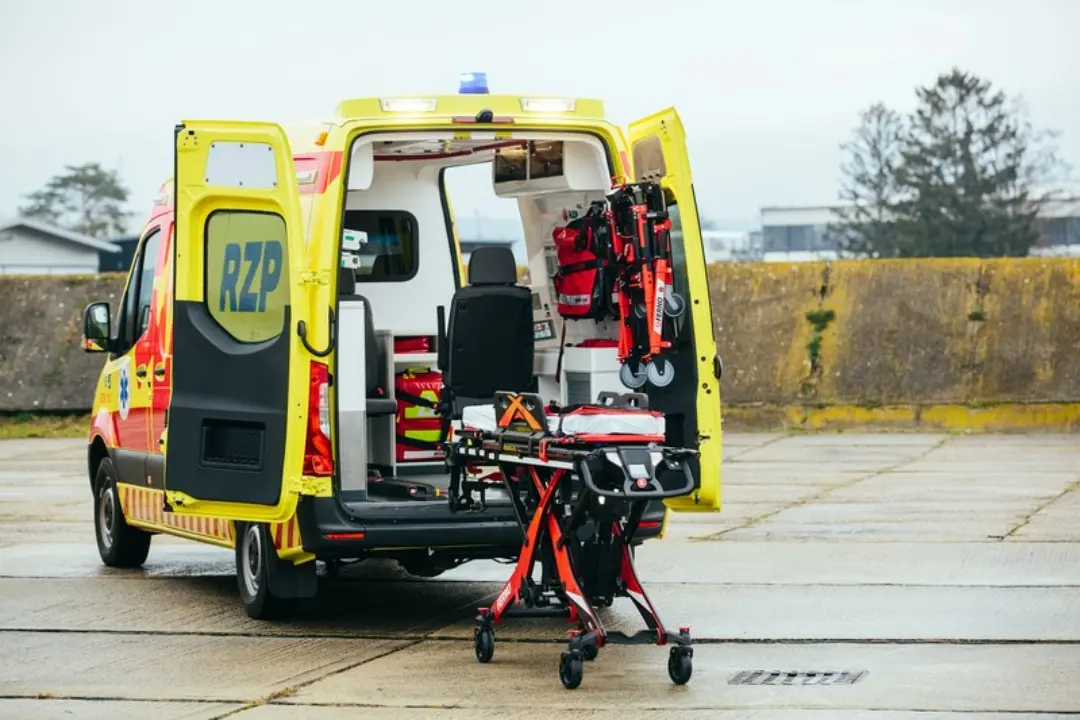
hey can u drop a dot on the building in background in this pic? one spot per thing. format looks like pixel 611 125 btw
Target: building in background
pixel 121 261
pixel 32 247
pixel 791 234
pixel 477 232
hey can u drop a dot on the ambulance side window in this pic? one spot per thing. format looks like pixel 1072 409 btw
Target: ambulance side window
pixel 390 252
pixel 136 304
pixel 247 273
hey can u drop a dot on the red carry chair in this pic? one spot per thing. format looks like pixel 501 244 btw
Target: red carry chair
pixel 643 248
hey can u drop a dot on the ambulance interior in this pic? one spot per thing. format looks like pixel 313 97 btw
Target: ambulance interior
pixel 398 262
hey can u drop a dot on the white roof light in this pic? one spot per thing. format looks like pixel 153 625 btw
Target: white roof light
pixel 407 104
pixel 548 104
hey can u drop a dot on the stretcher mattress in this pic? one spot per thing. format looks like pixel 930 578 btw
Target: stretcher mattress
pixel 584 421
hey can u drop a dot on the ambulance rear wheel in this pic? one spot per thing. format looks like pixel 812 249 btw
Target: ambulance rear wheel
pixel 120 545
pixel 254 553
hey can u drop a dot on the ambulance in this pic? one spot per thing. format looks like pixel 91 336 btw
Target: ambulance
pixel 277 345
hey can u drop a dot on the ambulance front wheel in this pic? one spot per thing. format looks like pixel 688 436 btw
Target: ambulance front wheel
pixel 120 545
pixel 254 554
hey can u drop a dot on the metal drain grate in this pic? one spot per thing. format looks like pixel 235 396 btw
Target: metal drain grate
pixel 796 677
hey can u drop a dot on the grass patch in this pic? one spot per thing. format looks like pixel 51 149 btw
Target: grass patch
pixel 23 426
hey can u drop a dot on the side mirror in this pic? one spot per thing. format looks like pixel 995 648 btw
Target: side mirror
pixel 97 327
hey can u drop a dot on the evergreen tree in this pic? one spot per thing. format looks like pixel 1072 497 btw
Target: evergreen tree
pixel 85 198
pixel 964 175
pixel 868 187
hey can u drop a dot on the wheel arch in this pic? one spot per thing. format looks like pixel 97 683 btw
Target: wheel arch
pixel 98 451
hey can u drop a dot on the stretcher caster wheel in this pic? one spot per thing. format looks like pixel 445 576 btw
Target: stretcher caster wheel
pixel 680 665
pixel 661 373
pixel 571 670
pixel 631 379
pixel 485 644
pixel 673 304
pixel 590 652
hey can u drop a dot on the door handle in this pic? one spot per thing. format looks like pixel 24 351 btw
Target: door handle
pixel 159 371
pixel 140 371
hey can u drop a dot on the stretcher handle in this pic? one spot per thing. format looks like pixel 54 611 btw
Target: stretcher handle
pixel 629 490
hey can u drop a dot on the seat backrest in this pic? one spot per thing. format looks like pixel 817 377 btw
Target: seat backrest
pixel 489 332
pixel 373 358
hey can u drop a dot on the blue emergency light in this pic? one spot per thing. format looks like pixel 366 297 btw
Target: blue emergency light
pixel 473 84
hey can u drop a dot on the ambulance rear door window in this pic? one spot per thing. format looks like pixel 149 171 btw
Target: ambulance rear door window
pixel 389 244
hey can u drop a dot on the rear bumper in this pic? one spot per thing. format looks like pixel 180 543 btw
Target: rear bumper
pixel 330 531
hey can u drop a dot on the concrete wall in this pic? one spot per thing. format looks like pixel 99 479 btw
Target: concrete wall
pixel 983 344
pixel 27 252
pixel 937 343
pixel 42 366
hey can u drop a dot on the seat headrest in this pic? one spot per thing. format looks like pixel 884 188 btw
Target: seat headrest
pixel 492 266
pixel 346 281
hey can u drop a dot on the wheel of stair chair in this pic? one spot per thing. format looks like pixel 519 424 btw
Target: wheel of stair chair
pixel 630 378
pixel 660 372
pixel 674 305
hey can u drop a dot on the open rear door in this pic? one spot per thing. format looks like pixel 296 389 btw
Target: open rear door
pixel 239 253
pixel 658 151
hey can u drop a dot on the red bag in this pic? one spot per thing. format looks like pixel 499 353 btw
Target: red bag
pixel 412 345
pixel 418 423
pixel 585 280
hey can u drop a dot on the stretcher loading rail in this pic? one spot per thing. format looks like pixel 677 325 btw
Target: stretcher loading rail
pixel 618 476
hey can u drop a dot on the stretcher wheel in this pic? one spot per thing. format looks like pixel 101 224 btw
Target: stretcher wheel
pixel 673 304
pixel 589 651
pixel 660 373
pixel 571 670
pixel 485 644
pixel 680 665
pixel 631 379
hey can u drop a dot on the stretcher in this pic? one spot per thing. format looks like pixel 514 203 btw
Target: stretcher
pixel 580 480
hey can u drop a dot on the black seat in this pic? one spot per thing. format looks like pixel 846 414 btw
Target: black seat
pixel 377 402
pixel 489 335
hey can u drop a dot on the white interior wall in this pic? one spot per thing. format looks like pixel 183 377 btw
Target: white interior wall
pixel 540 215
pixel 409 306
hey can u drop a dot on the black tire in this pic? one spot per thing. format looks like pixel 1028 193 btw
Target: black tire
pixel 120 545
pixel 254 553
pixel 485 644
pixel 571 670
pixel 680 666
pixel 590 652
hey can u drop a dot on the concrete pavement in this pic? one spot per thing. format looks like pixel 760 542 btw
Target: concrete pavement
pixel 941 571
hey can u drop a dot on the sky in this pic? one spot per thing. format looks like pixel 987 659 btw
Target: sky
pixel 767 90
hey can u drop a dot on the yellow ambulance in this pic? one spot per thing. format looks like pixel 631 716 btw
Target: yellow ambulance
pixel 287 284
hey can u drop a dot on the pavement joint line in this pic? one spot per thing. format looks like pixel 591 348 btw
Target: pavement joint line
pixel 770 441
pixel 685 708
pixel 293 689
pixel 436 637
pixel 399 642
pixel 1072 487
pixel 750 522
pixel 574 707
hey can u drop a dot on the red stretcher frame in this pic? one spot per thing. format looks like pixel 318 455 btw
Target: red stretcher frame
pixel 543 465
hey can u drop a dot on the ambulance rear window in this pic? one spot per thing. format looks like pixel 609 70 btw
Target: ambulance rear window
pixel 389 244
